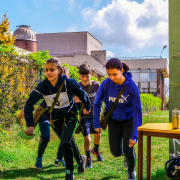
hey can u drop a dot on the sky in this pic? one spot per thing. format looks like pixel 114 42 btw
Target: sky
pixel 126 28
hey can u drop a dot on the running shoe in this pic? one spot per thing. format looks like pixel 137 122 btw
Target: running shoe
pixel 131 175
pixel 89 163
pixel 69 175
pixel 98 155
pixel 81 166
pixel 59 162
pixel 38 163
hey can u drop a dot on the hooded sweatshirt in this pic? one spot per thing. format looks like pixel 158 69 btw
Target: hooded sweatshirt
pixel 128 106
pixel 65 102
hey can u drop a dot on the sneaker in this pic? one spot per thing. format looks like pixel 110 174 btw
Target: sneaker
pixel 125 163
pixel 131 175
pixel 69 175
pixel 89 163
pixel 38 163
pixel 59 162
pixel 98 155
pixel 81 167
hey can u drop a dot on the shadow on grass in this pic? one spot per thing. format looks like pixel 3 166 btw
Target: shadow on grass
pixel 32 172
pixel 107 178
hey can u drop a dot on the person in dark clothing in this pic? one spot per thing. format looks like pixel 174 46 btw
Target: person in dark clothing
pixel 126 116
pixel 44 125
pixel 85 73
pixel 64 113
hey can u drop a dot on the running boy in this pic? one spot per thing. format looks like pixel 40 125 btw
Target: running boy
pixel 85 73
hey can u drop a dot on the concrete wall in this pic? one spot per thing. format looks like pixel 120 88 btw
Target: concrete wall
pixel 62 43
pixel 93 44
pixel 147 63
pixel 77 60
pixel 99 56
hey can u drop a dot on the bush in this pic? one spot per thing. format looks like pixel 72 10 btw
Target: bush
pixel 149 102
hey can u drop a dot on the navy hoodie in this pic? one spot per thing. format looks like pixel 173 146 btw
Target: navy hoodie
pixel 129 105
pixel 65 102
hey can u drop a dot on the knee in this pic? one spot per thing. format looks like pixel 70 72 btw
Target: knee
pixel 45 138
pixel 116 153
pixel 87 139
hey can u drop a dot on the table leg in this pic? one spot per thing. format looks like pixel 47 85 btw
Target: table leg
pixel 148 157
pixel 140 155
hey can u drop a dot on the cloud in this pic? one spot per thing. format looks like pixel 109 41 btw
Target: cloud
pixel 130 24
pixel 71 4
pixel 109 54
pixel 87 13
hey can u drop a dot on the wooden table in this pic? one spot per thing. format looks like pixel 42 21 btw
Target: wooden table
pixel 152 129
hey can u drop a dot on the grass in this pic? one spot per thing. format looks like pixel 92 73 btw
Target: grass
pixel 17 157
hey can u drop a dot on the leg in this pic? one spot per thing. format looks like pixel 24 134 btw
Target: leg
pixel 59 159
pixel 129 152
pixel 45 134
pixel 66 129
pixel 45 137
pixel 85 123
pixel 115 137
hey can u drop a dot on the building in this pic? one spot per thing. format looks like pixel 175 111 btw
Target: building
pixel 148 74
pixel 75 48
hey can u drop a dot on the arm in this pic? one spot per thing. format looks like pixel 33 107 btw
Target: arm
pixel 28 110
pixel 82 95
pixel 97 107
pixel 137 111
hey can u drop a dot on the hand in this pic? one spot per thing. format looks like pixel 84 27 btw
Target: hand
pixel 98 130
pixel 21 115
pixel 76 99
pixel 29 131
pixel 86 112
pixel 132 143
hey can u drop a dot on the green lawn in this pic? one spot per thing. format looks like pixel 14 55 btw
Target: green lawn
pixel 17 157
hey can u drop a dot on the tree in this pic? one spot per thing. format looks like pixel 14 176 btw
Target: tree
pixel 5 35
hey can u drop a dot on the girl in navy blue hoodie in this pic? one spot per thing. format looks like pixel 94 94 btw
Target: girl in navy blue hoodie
pixel 65 111
pixel 126 116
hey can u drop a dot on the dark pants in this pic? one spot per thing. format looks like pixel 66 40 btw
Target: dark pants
pixel 66 130
pixel 119 134
pixel 45 137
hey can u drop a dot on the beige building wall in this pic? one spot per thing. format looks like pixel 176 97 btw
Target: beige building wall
pixel 62 43
pixel 93 44
pixel 77 60
pixel 68 43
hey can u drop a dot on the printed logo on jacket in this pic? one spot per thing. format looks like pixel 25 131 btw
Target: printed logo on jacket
pixel 63 100
pixel 121 100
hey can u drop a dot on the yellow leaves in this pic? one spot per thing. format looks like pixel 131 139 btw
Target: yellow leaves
pixel 5 36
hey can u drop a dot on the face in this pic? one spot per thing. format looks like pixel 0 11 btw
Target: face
pixel 115 75
pixel 52 72
pixel 67 74
pixel 85 79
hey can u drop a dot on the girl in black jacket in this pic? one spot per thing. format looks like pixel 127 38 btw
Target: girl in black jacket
pixel 64 114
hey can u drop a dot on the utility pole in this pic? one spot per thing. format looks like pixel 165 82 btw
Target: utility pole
pixel 174 66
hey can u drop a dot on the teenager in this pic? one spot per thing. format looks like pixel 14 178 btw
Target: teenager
pixel 44 126
pixel 126 116
pixel 85 73
pixel 64 113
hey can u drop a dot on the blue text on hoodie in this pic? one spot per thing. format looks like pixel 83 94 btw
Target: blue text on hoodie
pixel 65 102
pixel 129 105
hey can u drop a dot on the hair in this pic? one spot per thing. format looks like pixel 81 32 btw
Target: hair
pixel 115 63
pixel 57 63
pixel 65 69
pixel 85 69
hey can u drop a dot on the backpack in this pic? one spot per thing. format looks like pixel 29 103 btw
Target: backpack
pixel 172 167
